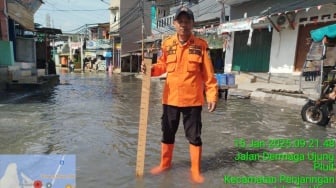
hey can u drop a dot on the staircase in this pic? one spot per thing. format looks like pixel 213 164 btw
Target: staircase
pixel 309 88
pixel 22 72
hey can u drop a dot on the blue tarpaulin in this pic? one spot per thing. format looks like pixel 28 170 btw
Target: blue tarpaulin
pixel 328 31
pixel 107 54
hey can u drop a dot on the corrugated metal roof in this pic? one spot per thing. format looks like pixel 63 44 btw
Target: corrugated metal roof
pixel 255 8
pixel 294 5
pixel 48 30
pixel 207 10
pixel 233 2
pixel 204 10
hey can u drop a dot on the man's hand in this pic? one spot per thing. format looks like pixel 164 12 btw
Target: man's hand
pixel 143 67
pixel 211 106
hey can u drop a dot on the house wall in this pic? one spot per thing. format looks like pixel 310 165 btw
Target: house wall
pixel 163 8
pixel 282 55
pixel 115 15
pixel 284 43
pixel 23 12
pixel 283 51
pixel 25 50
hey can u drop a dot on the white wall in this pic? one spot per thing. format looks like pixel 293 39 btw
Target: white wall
pixel 229 54
pixel 283 49
pixel 115 15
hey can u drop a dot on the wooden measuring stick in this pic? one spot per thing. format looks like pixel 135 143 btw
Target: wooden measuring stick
pixel 144 105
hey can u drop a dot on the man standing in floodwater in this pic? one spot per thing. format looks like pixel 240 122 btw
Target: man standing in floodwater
pixel 190 74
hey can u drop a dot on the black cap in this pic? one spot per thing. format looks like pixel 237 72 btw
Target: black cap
pixel 185 10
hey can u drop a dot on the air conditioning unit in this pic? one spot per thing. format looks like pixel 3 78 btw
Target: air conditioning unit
pixel 281 21
pixel 284 21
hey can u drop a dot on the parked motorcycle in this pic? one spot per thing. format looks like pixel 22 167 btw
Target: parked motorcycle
pixel 319 111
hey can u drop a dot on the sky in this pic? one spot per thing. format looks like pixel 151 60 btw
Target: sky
pixel 69 15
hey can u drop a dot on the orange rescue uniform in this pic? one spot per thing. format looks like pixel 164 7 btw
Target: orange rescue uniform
pixel 189 72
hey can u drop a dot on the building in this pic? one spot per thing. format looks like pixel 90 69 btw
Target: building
pixel 273 37
pixel 67 47
pixel 209 14
pixel 98 46
pixel 19 44
pixel 129 22
pixel 250 36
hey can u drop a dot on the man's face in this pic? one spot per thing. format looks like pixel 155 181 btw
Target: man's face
pixel 183 25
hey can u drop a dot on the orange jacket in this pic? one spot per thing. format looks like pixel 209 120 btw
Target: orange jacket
pixel 189 72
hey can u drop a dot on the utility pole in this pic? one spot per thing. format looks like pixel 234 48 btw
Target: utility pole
pixel 113 54
pixel 70 49
pixel 81 53
pixel 222 20
pixel 48 20
pixel 46 41
pixel 142 27
pixel 222 16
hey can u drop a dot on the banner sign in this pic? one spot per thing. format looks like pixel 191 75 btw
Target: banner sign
pixel 235 26
pixel 98 44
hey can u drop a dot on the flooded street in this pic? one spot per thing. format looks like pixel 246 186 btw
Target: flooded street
pixel 95 116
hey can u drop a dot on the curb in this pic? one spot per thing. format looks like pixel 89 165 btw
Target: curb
pixel 278 98
pixel 275 98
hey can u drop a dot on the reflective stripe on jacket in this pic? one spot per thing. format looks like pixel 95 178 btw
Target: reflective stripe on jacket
pixel 189 72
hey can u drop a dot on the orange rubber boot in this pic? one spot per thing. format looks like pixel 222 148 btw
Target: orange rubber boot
pixel 195 157
pixel 166 158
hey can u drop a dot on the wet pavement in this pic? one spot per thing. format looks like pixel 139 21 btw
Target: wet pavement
pixel 95 116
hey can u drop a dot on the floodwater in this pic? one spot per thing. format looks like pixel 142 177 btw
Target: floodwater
pixel 95 116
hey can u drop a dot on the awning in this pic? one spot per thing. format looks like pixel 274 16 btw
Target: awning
pixel 150 39
pixel 107 54
pixel 133 52
pixel 47 30
pixel 90 54
pixel 326 31
pixel 126 55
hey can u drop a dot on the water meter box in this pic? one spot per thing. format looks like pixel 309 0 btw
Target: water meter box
pixel 221 79
pixel 231 79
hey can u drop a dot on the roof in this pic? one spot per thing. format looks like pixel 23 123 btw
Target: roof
pixel 234 2
pixel 295 5
pixel 208 10
pixel 150 39
pixel 255 8
pixel 48 30
pixel 136 52
pixel 204 10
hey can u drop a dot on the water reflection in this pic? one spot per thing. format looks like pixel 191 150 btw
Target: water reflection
pixel 96 115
